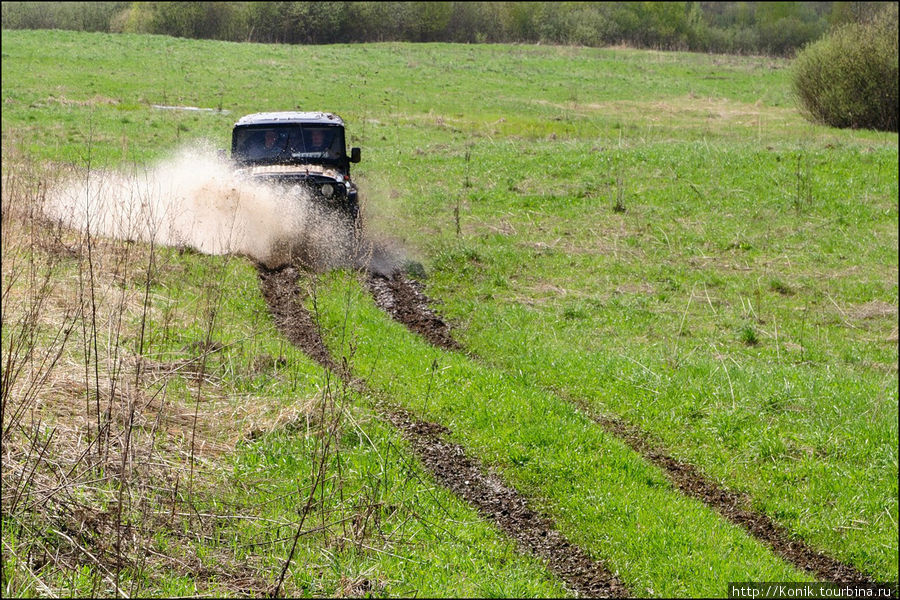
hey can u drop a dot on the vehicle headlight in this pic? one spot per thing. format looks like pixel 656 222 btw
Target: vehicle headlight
pixel 328 190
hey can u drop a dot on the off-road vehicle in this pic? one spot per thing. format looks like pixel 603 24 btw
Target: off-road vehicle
pixel 298 150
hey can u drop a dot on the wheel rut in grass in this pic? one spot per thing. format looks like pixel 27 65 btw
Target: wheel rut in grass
pixel 734 506
pixel 447 461
pixel 504 506
pixel 406 302
pixel 282 295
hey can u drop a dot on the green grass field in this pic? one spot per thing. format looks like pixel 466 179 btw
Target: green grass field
pixel 657 237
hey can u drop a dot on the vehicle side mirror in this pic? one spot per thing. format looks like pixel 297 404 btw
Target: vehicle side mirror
pixel 355 155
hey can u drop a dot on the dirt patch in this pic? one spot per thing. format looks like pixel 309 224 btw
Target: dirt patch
pixel 97 100
pixel 688 107
pixel 446 461
pixel 733 506
pixel 405 301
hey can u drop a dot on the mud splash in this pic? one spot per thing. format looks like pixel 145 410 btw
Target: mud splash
pixel 195 199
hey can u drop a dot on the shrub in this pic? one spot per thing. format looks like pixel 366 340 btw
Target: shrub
pixel 849 78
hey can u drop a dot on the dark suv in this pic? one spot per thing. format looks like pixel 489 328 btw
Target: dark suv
pixel 298 148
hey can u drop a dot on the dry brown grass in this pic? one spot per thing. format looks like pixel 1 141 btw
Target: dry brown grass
pixel 873 310
pixel 99 452
pixel 688 109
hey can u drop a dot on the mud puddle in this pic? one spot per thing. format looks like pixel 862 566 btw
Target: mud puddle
pixel 448 463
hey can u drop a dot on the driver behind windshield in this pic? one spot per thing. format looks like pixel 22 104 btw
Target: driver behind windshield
pixel 270 140
pixel 318 141
pixel 266 147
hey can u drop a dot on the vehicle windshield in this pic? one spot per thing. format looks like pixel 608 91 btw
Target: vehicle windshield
pixel 266 144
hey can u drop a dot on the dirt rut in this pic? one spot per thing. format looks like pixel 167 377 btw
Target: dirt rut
pixel 504 506
pixel 282 295
pixel 733 506
pixel 406 302
pixel 448 462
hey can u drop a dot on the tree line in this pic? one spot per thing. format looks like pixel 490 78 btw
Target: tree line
pixel 776 28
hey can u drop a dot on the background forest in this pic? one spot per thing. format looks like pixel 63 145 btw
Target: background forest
pixel 776 28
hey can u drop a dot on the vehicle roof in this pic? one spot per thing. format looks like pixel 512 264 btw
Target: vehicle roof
pixel 278 118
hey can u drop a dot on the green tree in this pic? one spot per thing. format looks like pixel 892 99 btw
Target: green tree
pixel 137 17
pixel 79 16
pixel 316 22
pixel 775 27
pixel 849 78
pixel 521 21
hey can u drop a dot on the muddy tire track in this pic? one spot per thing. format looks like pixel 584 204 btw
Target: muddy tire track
pixel 734 506
pixel 406 302
pixel 505 507
pixel 448 463
pixel 282 295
